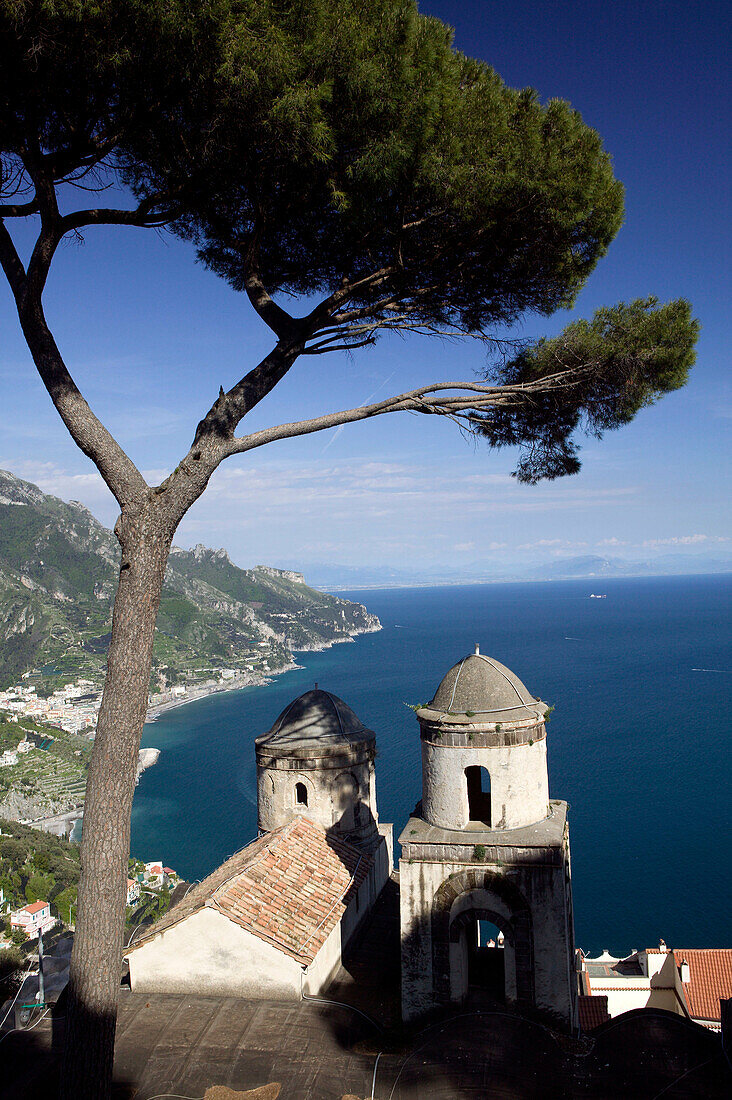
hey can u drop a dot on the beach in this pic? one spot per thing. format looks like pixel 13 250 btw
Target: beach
pixel 242 680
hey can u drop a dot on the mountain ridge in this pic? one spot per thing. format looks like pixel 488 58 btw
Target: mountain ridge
pixel 331 576
pixel 58 575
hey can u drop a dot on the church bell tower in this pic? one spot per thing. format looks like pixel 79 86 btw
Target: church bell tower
pixel 486 850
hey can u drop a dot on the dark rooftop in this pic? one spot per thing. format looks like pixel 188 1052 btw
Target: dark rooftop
pixel 317 719
pixel 481 686
pixel 169 1044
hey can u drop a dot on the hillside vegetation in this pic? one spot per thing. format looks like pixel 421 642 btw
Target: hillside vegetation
pixel 58 573
pixel 37 866
pixel 51 779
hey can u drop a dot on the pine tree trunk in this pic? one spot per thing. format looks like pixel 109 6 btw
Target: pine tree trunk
pixel 105 846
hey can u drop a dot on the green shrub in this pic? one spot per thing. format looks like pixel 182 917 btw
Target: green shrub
pixel 39 887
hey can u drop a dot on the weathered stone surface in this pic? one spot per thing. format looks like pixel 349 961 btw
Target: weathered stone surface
pixel 317 761
pixel 481 686
pixel 495 851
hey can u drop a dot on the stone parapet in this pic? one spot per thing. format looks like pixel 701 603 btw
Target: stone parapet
pixel 465 732
pixel 540 843
pixel 299 757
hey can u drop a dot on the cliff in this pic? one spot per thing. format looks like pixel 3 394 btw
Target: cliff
pixel 58 574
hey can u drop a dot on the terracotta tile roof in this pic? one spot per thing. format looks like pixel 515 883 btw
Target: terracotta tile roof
pixel 711 978
pixel 289 887
pixel 592 1011
pixel 34 907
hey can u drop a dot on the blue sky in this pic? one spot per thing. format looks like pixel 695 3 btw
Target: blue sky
pixel 150 335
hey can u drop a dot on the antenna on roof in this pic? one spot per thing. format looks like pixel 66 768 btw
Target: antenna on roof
pixel 477 650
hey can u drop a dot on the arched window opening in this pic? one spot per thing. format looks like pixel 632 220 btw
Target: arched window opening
pixel 479 794
pixel 301 794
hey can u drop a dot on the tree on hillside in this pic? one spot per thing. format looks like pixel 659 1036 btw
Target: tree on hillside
pixel 335 152
pixel 39 887
pixel 65 903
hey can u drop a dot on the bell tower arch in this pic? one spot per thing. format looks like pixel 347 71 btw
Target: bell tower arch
pixel 486 844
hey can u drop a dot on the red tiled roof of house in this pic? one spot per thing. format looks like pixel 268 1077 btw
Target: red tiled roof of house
pixel 592 1011
pixel 711 978
pixel 35 907
pixel 289 888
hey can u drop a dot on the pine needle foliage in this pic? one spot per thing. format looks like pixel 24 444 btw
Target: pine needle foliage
pixel 605 371
pixel 355 139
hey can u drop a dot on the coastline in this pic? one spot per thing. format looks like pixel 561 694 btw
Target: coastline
pixel 216 687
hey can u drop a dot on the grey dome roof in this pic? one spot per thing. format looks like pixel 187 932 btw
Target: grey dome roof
pixel 484 687
pixel 316 719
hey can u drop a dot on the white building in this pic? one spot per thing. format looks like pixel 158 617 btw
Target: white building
pixel 486 844
pixel 32 919
pixel 274 920
pixel 270 922
pixel 688 982
pixel 154 873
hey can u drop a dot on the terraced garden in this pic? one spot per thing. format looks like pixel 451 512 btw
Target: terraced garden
pixel 46 780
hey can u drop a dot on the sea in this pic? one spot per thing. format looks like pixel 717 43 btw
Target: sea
pixel 638 744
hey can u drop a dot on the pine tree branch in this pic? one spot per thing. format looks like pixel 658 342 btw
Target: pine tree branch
pixel 11 262
pixel 231 406
pixel 19 210
pixel 117 469
pixel 282 324
pixel 142 216
pixel 471 399
pixel 90 435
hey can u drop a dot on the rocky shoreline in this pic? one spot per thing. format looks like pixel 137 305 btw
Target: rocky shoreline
pixel 58 817
pixel 216 687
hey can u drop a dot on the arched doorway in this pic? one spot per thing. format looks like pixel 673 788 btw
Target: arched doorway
pixel 464 964
pixel 482 956
pixel 487 960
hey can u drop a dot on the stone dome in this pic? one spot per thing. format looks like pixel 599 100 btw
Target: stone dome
pixel 483 687
pixel 314 721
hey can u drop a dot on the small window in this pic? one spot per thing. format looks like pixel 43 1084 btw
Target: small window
pixel 301 794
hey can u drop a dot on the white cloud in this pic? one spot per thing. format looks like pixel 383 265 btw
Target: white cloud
pixel 685 540
pixel 389 485
pixel 357 511
pixel 552 544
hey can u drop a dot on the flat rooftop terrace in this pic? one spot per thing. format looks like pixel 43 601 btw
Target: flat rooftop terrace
pixel 180 1046
pixel 171 1045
